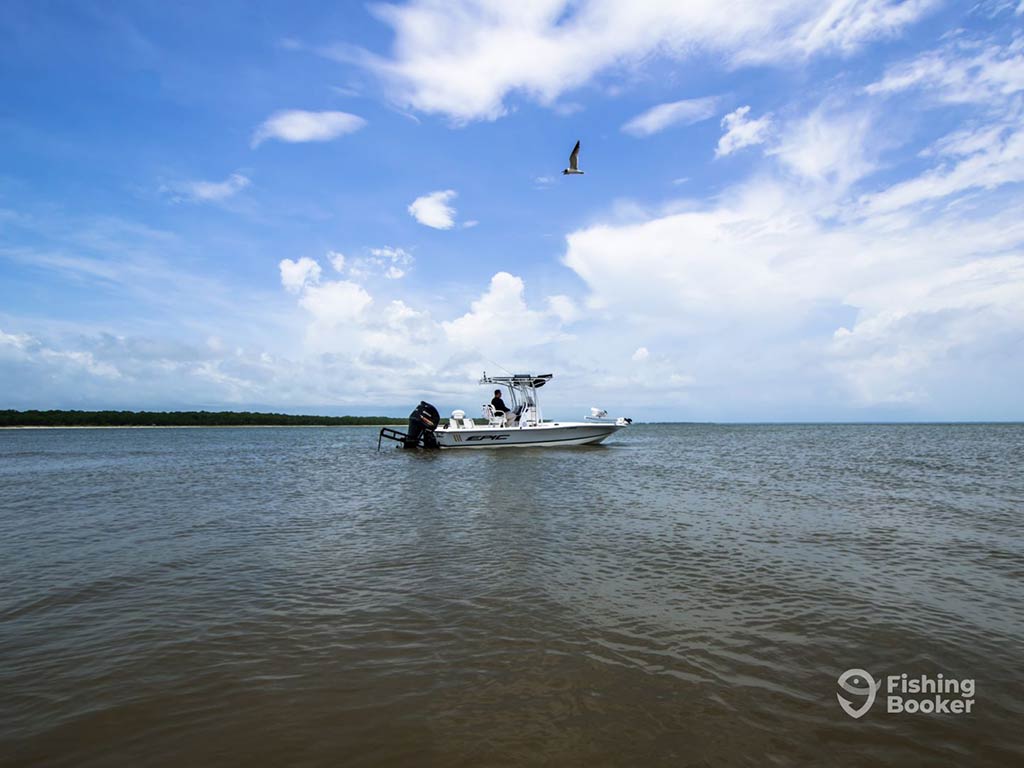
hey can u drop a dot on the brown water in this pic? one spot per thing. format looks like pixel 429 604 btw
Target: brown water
pixel 685 595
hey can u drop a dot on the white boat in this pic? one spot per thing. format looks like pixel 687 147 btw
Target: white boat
pixel 523 426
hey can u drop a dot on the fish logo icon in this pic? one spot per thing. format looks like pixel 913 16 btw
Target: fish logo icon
pixel 850 681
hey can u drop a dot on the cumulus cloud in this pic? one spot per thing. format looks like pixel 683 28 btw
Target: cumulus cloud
pixel 365 336
pixel 662 116
pixel 349 337
pixel 500 319
pixel 464 59
pixel 345 320
pixel 741 132
pixel 433 209
pixel 564 308
pixel 296 126
pixel 872 306
pixel 335 302
pixel 835 283
pixel 337 260
pixel 836 275
pixel 296 275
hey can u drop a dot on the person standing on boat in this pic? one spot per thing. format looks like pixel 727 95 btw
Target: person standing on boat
pixel 499 405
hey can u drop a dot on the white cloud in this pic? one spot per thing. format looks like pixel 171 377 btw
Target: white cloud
pixel 469 224
pixel 210 191
pixel 24 349
pixel 432 210
pixel 337 260
pixel 335 302
pixel 844 25
pixel 297 125
pixel 395 254
pixel 961 72
pixel 987 158
pixel 16 340
pixel 768 292
pixel 464 59
pixel 741 132
pixel 365 336
pixel 390 262
pixel 345 320
pixel 660 117
pixel 500 320
pixel 296 275
pixel 818 279
pixel 564 308
pixel 988 151
pixel 824 146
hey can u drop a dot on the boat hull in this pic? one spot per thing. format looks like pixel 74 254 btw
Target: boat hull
pixel 543 436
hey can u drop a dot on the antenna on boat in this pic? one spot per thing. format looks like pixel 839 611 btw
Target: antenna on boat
pixel 506 370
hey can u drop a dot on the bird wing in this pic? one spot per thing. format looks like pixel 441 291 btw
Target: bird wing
pixel 574 158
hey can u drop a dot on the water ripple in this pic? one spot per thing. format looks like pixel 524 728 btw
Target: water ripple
pixel 683 595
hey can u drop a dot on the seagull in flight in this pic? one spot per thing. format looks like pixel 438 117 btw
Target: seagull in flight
pixel 574 161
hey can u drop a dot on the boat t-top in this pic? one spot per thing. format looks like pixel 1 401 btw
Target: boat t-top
pixel 521 426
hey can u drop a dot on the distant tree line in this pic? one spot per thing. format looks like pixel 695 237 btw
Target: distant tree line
pixel 12 418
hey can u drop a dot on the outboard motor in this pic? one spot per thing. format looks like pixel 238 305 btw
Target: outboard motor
pixel 422 423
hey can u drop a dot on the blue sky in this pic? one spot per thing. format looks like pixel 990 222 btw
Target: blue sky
pixel 791 210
